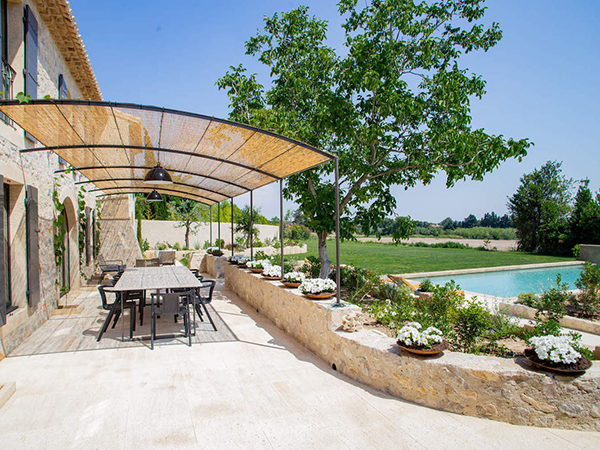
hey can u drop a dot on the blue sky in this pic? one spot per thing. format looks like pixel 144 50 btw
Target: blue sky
pixel 542 80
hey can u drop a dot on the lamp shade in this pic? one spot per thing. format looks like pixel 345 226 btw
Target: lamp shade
pixel 154 196
pixel 158 175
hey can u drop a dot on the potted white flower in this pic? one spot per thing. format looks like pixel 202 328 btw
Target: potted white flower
pixel 293 279
pixel 318 288
pixel 258 266
pixel 426 342
pixel 272 272
pixel 558 354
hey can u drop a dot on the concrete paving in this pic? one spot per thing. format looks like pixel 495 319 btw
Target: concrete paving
pixel 261 390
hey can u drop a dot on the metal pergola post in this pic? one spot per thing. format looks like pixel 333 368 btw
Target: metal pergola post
pixel 281 223
pixel 251 226
pixel 232 243
pixel 219 225
pixel 210 213
pixel 338 301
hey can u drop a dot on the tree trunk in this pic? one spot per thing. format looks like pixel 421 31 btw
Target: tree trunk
pixel 323 256
pixel 187 236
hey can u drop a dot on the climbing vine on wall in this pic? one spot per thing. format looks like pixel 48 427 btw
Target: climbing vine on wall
pixel 58 221
pixel 83 226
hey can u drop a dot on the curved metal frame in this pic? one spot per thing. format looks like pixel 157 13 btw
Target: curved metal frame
pixel 110 194
pixel 158 189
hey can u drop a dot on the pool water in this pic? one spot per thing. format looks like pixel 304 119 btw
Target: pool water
pixel 510 283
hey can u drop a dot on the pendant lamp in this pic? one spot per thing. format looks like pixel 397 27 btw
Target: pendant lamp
pixel 158 175
pixel 154 196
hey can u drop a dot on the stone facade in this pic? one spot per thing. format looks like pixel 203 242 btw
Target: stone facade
pixel 494 388
pixel 588 252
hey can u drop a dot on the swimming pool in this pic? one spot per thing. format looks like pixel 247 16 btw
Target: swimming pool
pixel 510 283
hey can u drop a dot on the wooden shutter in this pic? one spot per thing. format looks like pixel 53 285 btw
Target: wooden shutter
pixel 31 53
pixel 33 248
pixel 2 268
pixel 88 230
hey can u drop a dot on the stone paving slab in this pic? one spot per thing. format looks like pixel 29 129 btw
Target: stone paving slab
pixel 262 390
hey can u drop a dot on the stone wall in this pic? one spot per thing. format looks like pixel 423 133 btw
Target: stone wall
pixel 167 231
pixel 118 239
pixel 494 388
pixel 590 253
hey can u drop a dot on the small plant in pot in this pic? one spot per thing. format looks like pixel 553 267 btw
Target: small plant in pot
pixel 561 354
pixel 293 279
pixel 215 251
pixel 318 288
pixel 427 342
pixel 272 273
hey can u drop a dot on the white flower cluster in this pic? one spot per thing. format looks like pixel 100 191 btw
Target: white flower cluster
pixel 294 277
pixel 272 271
pixel 212 249
pixel 409 334
pixel 261 264
pixel 317 285
pixel 557 349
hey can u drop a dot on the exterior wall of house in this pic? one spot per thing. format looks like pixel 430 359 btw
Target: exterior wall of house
pixel 37 169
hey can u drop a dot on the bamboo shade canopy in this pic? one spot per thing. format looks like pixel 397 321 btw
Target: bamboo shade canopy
pixel 115 144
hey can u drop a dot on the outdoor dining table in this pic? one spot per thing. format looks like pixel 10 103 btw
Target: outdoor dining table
pixel 155 278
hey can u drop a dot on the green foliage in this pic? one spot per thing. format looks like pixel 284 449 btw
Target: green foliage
pixel 540 209
pixel 186 259
pixel 219 243
pixel 437 309
pixel 312 267
pixel 588 300
pixel 260 255
pixel 144 245
pixel 161 246
pixel 176 246
pixel 58 222
pixel 23 98
pixel 584 223
pixel 82 229
pixel 471 322
pixel 528 299
pixel 296 232
pixel 426 285
pixel 188 213
pixel 393 105
pixel 246 225
pixel 550 310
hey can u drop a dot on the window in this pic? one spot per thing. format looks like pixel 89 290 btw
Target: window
pixel 31 53
pixel 8 74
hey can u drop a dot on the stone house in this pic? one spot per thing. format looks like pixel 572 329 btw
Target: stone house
pixel 48 232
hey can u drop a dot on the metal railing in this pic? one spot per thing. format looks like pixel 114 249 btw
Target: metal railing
pixel 8 76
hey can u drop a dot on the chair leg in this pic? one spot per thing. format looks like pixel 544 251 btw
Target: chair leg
pixel 189 331
pixel 117 314
pixel 199 311
pixel 142 306
pixel 132 321
pixel 209 318
pixel 105 325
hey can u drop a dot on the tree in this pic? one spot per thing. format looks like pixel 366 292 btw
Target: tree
pixel 470 221
pixel 394 106
pixel 245 225
pixel 584 223
pixel 540 209
pixel 188 213
pixel 448 224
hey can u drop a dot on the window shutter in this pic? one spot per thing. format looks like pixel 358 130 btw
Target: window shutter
pixel 2 268
pixel 31 53
pixel 33 248
pixel 62 88
pixel 88 230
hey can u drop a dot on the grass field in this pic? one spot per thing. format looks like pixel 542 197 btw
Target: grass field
pixel 387 258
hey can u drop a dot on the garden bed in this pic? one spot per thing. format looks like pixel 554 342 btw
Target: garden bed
pixel 496 388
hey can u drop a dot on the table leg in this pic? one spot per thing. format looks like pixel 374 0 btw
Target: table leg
pixel 122 317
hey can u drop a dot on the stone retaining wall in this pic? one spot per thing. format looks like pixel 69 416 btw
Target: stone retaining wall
pixel 494 388
pixel 590 253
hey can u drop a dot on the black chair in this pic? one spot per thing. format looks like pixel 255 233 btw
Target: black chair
pixel 114 309
pixel 110 265
pixel 202 297
pixel 172 304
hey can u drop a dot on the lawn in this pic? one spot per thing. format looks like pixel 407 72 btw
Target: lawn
pixel 388 258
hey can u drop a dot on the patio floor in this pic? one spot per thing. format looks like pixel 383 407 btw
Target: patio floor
pixel 248 386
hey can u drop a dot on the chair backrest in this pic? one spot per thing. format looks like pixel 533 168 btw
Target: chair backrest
pixel 102 290
pixel 167 256
pixel 101 260
pixel 171 303
pixel 208 286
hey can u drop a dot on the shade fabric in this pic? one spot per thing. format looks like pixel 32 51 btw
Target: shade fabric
pixel 115 144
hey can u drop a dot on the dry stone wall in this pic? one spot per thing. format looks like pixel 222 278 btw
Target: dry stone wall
pixel 494 388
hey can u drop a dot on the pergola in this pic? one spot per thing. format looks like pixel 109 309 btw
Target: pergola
pixel 210 160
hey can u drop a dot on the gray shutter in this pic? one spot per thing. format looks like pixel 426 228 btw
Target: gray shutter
pixel 33 248
pixel 88 230
pixel 31 53
pixel 2 268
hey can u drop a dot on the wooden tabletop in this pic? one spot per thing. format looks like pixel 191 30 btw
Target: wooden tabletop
pixel 149 278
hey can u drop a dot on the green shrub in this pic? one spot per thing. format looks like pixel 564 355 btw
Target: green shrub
pixel 550 310
pixel 161 246
pixel 220 243
pixel 144 245
pixel 197 245
pixel 588 300
pixel 471 322
pixel 426 285
pixel 312 267
pixel 206 245
pixel 177 246
pixel 528 299
pixel 260 255
pixel 392 314
pixel 502 326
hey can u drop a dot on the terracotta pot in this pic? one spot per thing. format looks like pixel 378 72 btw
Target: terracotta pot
pixel 255 269
pixel 271 278
pixel 434 350
pixel 321 296
pixel 290 284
